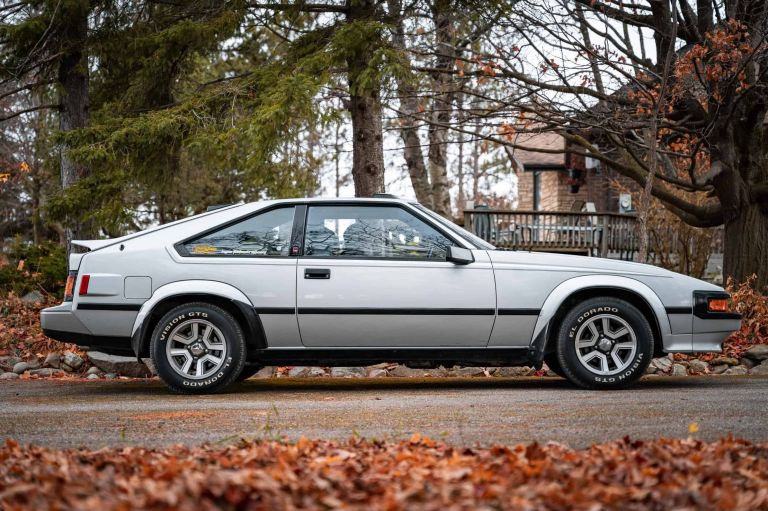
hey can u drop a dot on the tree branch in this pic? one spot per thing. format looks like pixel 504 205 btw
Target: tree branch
pixel 28 110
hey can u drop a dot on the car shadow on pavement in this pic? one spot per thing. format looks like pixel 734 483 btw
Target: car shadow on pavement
pixel 154 387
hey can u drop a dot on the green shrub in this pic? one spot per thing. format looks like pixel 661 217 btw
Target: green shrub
pixel 42 267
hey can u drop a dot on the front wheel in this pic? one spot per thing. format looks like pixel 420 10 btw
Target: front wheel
pixel 604 343
pixel 198 348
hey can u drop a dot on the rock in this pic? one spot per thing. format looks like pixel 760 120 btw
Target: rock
pixel 65 367
pixel 402 371
pixel 377 373
pixel 92 376
pixel 8 376
pixel 470 371
pixel 757 353
pixel 33 297
pixel 9 362
pixel 514 371
pixel 761 370
pixel 150 365
pixel 265 372
pixel 94 370
pixel 46 372
pixel 679 370
pixel 747 362
pixel 736 370
pixel 347 372
pixel 316 372
pixel 124 366
pixel 719 369
pixel 298 372
pixel 53 359
pixel 729 361
pixel 110 376
pixel 650 369
pixel 73 360
pixel 661 365
pixel 697 366
pixel 25 366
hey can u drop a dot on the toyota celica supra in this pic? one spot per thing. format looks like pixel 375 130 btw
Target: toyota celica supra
pixel 341 282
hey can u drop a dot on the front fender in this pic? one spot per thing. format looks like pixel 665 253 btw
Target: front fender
pixel 184 287
pixel 561 293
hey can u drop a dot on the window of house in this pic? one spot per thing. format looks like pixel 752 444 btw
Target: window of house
pixel 371 232
pixel 265 234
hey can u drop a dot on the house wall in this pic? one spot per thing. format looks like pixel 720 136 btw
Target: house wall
pixel 600 187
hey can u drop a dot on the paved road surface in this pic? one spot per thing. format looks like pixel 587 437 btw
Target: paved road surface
pixel 462 411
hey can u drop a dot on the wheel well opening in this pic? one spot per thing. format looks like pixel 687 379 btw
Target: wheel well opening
pixel 596 292
pixel 163 306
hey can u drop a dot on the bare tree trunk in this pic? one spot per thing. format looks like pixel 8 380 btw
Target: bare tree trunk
pixel 441 107
pixel 409 112
pixel 365 110
pixel 461 200
pixel 73 99
pixel 745 247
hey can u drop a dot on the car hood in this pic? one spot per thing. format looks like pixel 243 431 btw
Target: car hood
pixel 589 265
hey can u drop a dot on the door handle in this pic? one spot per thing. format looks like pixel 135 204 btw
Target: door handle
pixel 317 273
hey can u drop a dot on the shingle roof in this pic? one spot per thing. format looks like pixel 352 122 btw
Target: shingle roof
pixel 547 140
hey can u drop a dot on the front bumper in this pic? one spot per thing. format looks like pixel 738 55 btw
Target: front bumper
pixel 61 323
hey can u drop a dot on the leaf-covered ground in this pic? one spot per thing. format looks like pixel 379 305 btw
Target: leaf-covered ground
pixel 417 474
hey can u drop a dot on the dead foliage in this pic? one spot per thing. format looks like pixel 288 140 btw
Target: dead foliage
pixel 417 474
pixel 21 334
pixel 752 304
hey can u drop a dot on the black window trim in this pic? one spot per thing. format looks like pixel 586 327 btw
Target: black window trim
pixel 183 252
pixel 413 211
pixel 298 230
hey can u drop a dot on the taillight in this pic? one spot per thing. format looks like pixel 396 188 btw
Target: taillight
pixel 84 280
pixel 69 289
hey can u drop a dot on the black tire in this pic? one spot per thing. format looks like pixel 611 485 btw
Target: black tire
pixel 248 371
pixel 592 373
pixel 554 364
pixel 227 367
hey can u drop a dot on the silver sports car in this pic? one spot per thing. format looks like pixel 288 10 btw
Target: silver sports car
pixel 340 282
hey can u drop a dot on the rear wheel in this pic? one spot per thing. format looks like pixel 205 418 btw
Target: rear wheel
pixel 604 343
pixel 554 364
pixel 198 348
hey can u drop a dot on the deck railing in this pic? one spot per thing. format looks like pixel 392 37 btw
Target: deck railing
pixel 596 234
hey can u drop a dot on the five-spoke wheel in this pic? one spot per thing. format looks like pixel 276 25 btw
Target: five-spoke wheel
pixel 198 348
pixel 604 343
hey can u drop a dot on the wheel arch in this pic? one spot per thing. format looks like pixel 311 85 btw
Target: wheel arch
pixel 575 290
pixel 223 295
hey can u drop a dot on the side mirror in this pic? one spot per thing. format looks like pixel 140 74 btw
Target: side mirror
pixel 458 255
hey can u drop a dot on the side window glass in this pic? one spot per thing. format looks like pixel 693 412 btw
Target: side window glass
pixel 371 231
pixel 267 234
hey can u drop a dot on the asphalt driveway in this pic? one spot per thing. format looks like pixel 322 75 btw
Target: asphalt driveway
pixel 66 413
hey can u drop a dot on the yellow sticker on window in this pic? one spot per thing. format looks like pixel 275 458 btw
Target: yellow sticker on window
pixel 204 249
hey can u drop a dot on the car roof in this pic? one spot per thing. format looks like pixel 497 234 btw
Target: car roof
pixel 97 244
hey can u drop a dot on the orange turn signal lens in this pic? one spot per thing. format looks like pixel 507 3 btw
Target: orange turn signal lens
pixel 69 288
pixel 717 305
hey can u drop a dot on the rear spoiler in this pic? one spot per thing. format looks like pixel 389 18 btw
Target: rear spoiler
pixel 95 244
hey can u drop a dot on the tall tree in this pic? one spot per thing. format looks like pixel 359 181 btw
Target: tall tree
pixel 46 43
pixel 604 93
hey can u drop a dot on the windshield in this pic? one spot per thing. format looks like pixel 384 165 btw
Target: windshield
pixel 468 236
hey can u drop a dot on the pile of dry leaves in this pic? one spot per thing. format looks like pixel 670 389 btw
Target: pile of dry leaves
pixel 20 332
pixel 418 474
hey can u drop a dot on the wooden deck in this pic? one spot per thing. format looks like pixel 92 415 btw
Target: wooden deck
pixel 596 234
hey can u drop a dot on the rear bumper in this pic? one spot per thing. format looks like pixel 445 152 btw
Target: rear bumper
pixel 61 324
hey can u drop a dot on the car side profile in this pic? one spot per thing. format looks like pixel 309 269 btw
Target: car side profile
pixel 340 282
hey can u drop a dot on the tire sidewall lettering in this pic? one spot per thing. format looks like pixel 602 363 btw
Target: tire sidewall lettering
pixel 169 325
pixel 586 315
